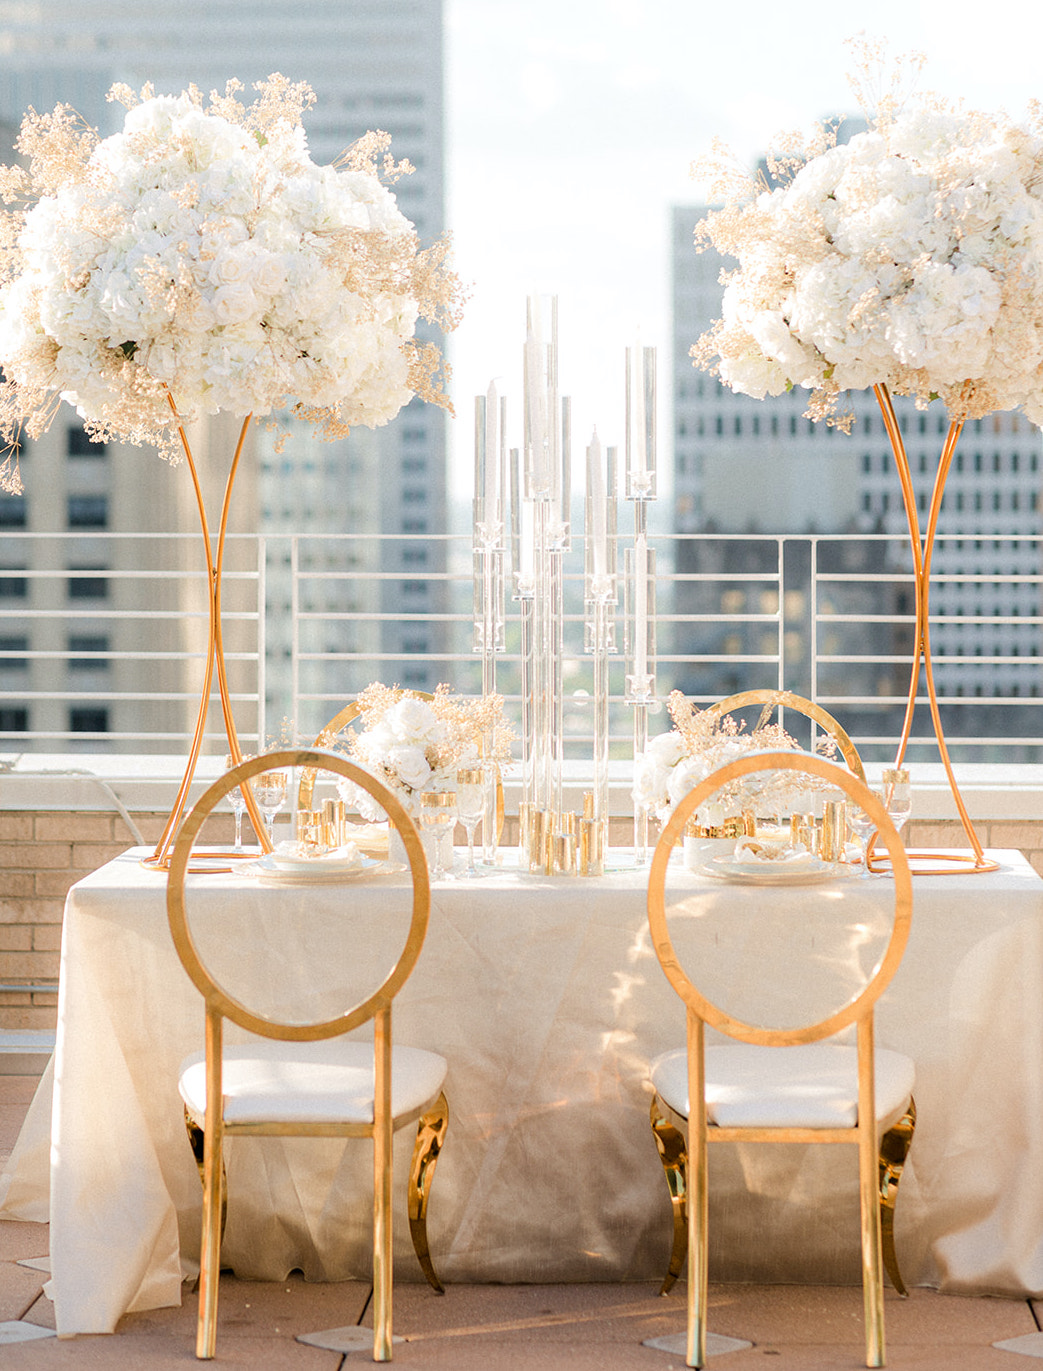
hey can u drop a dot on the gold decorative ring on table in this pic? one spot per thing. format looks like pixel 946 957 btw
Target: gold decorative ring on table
pixel 328 735
pixel 879 1164
pixel 415 1096
pixel 953 864
pixel 785 699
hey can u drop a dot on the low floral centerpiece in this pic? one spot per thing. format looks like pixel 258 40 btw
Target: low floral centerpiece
pixel 700 743
pixel 414 743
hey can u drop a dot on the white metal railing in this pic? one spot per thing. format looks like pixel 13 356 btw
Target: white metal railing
pixel 103 636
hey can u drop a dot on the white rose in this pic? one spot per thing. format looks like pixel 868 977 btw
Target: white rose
pixel 410 765
pixel 229 267
pixel 235 303
pixel 648 788
pixel 685 776
pixel 196 316
pixel 667 749
pixel 414 719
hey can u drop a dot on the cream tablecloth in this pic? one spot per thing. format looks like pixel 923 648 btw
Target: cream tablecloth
pixel 546 998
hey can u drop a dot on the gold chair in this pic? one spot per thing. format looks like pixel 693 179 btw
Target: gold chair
pixel 751 1092
pixel 304 1079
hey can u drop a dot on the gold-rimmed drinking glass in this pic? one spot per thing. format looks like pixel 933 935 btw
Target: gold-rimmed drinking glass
pixel 438 819
pixel 471 794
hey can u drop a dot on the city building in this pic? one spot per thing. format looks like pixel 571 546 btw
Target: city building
pixel 371 67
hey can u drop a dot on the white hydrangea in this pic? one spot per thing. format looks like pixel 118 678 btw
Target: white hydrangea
pixel 192 258
pixel 911 256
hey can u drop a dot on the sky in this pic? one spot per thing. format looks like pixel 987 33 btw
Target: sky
pixel 571 129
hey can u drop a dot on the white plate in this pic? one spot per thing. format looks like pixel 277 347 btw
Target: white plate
pixel 336 860
pixel 776 873
pixel 311 872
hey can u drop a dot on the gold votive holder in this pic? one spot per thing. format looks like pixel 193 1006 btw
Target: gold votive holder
pixel 834 830
pixel 541 830
pixel 591 858
pixel 311 831
pixel 563 853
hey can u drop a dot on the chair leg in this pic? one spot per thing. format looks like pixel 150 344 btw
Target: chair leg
pixel 894 1149
pixel 195 1141
pixel 673 1153
pixel 210 1251
pixel 430 1135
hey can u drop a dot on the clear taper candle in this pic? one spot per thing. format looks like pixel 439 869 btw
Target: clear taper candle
pixel 641 423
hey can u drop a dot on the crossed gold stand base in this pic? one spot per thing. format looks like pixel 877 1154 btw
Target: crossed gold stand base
pixel 927 863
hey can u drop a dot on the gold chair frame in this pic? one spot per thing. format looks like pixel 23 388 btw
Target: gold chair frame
pixel 219 1005
pixel 785 699
pixel 324 739
pixel 859 1011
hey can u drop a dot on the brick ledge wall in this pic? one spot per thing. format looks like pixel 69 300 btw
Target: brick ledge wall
pixel 43 853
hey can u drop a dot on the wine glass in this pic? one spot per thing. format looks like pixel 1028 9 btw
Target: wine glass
pixel 865 827
pixel 897 796
pixel 271 796
pixel 237 800
pixel 438 818
pixel 470 807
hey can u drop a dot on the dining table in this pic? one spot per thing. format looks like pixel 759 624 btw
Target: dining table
pixel 545 996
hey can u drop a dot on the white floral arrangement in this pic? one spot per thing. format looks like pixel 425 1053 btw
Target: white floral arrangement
pixel 700 743
pixel 910 256
pixel 412 744
pixel 199 261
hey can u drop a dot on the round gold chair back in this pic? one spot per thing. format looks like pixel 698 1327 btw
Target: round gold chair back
pixel 217 996
pixel 785 699
pixel 862 1003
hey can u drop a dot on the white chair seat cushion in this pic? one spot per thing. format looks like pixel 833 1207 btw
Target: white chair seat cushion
pixel 322 1082
pixel 813 1086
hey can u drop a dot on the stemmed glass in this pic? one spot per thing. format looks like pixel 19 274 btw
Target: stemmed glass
pixel 897 795
pixel 865 827
pixel 470 807
pixel 438 817
pixel 237 800
pixel 271 796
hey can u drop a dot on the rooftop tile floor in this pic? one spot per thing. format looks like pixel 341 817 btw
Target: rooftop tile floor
pixel 516 1328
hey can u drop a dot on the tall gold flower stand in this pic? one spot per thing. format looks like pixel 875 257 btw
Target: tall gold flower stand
pixel 928 863
pixel 215 659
